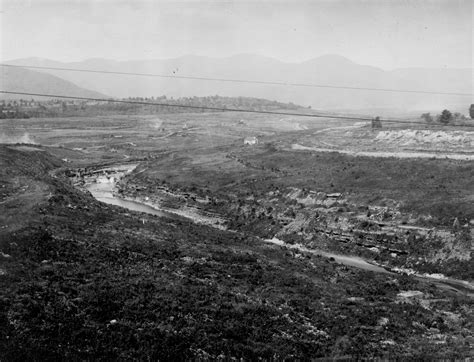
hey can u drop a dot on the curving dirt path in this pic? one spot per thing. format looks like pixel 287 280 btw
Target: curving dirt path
pixel 401 154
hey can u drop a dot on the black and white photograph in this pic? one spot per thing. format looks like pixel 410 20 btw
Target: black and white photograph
pixel 236 180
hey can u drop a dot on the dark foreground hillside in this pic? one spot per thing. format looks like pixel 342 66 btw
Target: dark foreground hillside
pixel 83 280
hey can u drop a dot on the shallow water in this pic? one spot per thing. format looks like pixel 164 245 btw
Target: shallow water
pixel 104 192
pixel 341 259
pixel 131 205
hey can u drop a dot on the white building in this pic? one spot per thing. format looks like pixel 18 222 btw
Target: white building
pixel 250 140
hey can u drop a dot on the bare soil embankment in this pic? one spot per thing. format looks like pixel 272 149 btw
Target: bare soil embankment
pixel 393 142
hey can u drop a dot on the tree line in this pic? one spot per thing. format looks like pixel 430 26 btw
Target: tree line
pixel 447 117
pixel 66 108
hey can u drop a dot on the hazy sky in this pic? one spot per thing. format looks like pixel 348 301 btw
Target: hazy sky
pixel 384 33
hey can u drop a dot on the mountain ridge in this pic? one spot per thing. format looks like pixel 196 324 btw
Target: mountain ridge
pixel 331 69
pixel 329 56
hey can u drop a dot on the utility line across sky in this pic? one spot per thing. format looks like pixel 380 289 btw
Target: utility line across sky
pixel 222 109
pixel 248 81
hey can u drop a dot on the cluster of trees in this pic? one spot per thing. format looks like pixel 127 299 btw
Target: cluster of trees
pixel 446 117
pixel 12 110
pixel 220 102
pixel 23 108
pixel 60 108
pixel 6 114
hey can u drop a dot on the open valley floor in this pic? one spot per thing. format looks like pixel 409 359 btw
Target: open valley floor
pixel 172 236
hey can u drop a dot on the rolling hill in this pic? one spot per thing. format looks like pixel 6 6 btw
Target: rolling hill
pixel 30 81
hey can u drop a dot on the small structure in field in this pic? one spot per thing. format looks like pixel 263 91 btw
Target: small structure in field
pixel 250 140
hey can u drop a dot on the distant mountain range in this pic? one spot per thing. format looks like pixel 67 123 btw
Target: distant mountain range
pixel 326 70
pixel 30 81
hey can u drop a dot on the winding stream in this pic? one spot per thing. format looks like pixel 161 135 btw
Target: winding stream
pixel 103 190
pixel 341 259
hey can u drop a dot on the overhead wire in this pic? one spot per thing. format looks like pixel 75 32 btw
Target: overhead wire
pixel 222 109
pixel 248 81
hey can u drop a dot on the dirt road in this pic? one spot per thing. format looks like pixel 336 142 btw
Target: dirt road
pixel 401 154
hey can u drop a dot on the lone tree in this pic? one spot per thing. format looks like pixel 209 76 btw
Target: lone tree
pixel 445 117
pixel 471 111
pixel 427 117
pixel 376 122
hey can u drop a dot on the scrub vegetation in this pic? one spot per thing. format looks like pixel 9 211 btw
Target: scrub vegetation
pixel 81 279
